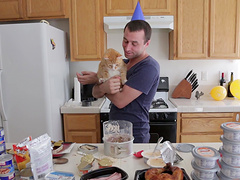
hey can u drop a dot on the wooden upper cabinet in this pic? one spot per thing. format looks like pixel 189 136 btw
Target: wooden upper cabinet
pixel 192 36
pixel 33 9
pixel 86 30
pixel 11 9
pixel 207 29
pixel 123 7
pixel 127 7
pixel 156 6
pixel 42 8
pixel 224 28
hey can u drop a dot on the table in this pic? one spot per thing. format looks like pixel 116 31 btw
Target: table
pixel 129 164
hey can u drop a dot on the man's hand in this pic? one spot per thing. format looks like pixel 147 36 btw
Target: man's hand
pixel 111 86
pixel 87 77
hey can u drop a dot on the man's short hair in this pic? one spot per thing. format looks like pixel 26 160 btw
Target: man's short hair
pixel 138 25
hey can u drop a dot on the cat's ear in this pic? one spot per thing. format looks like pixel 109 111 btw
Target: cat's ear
pixel 119 57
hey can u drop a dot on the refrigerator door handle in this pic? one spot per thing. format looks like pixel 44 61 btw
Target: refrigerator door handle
pixel 2 111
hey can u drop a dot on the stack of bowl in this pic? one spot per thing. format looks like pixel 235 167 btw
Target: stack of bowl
pixel 230 151
pixel 205 163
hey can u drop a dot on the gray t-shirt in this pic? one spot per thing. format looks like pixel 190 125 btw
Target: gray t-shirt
pixel 144 77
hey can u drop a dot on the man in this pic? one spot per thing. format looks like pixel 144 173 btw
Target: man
pixel 133 102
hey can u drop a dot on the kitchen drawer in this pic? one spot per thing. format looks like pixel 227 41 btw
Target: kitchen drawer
pixel 197 138
pixel 206 115
pixel 81 122
pixel 202 125
pixel 82 137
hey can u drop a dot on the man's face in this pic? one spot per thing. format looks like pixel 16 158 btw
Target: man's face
pixel 133 43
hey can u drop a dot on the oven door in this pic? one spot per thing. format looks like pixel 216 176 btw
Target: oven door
pixel 166 129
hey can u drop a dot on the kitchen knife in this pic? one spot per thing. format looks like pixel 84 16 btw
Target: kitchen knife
pixel 189 79
pixel 193 79
pixel 194 83
pixel 195 87
pixel 190 72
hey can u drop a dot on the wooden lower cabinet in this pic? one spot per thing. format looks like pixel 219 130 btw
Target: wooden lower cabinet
pixel 82 128
pixel 202 127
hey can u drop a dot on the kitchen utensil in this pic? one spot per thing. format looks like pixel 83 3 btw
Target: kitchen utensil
pixel 138 154
pixel 158 142
pixel 118 138
pixel 190 72
pixel 183 90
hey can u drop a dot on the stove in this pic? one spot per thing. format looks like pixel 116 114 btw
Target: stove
pixel 162 114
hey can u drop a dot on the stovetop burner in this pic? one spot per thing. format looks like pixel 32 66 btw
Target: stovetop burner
pixel 159 103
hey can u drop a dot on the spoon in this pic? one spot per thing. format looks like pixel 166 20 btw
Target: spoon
pixel 158 142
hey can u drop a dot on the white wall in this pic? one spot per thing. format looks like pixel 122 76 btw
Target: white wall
pixel 176 70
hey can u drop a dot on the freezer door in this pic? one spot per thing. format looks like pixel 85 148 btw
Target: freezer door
pixel 26 80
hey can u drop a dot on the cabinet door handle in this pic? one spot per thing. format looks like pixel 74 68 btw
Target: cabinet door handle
pixel 237 117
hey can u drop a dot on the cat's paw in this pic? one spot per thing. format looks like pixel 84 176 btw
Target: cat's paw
pixel 124 81
pixel 101 80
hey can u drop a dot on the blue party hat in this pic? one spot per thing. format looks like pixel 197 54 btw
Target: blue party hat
pixel 138 14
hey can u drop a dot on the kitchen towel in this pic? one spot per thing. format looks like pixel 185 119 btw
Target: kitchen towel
pixel 77 90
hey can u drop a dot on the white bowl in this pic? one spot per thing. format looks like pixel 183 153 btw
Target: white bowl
pixel 149 154
pixel 156 162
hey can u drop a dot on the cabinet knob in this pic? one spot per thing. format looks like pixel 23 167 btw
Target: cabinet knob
pixel 237 117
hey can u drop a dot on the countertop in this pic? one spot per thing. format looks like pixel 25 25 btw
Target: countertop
pixel 206 104
pixel 76 107
pixel 129 164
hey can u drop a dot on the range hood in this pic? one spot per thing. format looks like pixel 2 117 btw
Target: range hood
pixel 156 22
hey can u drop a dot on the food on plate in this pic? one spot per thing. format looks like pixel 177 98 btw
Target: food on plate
pixel 114 176
pixel 58 143
pixel 168 172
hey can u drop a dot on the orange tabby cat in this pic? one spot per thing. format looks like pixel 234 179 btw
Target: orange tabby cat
pixel 111 65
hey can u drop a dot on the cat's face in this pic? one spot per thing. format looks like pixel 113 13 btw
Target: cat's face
pixel 113 64
pixel 113 59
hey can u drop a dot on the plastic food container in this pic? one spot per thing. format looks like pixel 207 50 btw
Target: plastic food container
pixel 230 159
pixel 231 146
pixel 194 177
pixel 205 157
pixel 230 171
pixel 204 173
pixel 231 131
pixel 222 176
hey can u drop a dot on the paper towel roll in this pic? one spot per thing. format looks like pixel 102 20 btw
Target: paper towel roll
pixel 77 90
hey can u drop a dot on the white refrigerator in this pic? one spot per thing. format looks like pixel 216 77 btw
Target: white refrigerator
pixel 34 80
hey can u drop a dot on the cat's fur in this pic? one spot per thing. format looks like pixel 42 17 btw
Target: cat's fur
pixel 111 65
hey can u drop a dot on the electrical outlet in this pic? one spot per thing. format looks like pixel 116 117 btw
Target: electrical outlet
pixel 204 75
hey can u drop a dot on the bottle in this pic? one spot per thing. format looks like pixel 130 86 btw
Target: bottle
pixel 222 80
pixel 229 94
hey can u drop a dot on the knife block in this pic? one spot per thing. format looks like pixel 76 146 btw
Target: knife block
pixel 183 90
